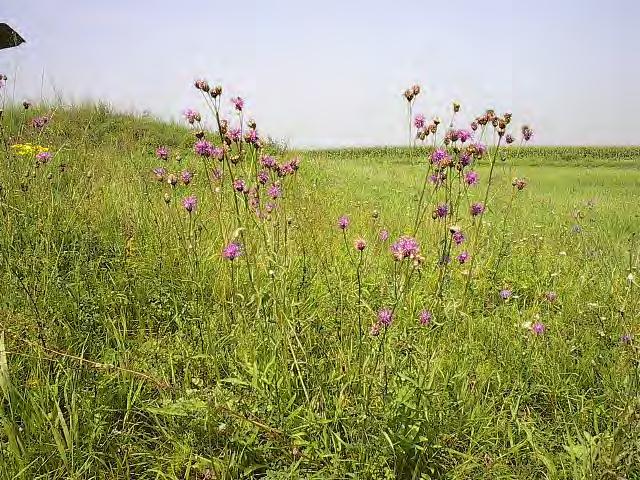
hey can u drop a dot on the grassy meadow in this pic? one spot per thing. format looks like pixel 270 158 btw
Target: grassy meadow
pixel 131 348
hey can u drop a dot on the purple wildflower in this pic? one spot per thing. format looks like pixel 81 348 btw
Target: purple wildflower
pixel 419 121
pixel 44 157
pixel 274 191
pixel 186 176
pixel 234 134
pixel 458 237
pixel 343 222
pixel 162 153
pixel 268 161
pixel 263 177
pixel 203 148
pixel 405 247
pixel 441 211
pixel 239 185
pixel 159 173
pixel 360 244
pixel 238 103
pixel 463 135
pixel 463 257
pixel 509 139
pixel 538 328
pixel 252 137
pixel 385 317
pixel 465 159
pixel 425 317
pixel 232 251
pixel 479 149
pixel 192 116
pixel 477 208
pixel 439 156
pixel 190 203
pixel 39 122
pixel 471 177
pixel 384 235
pixel 519 183
pixel 505 294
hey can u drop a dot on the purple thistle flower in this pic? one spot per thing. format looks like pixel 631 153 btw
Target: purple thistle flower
pixel 159 173
pixel 40 122
pixel 252 137
pixel 551 296
pixel 509 139
pixel 268 161
pixel 425 317
pixel 538 328
pixel 360 244
pixel 405 247
pixel 239 185
pixel 527 133
pixel 203 148
pixel 477 208
pixel 458 237
pixel 238 103
pixel 343 222
pixel 439 156
pixel 626 339
pixel 162 153
pixel 232 251
pixel 263 177
pixel 441 211
pixel 234 134
pixel 217 153
pixel 190 203
pixel 384 235
pixel 186 176
pixel 465 159
pixel 519 183
pixel 471 177
pixel 385 317
pixel 505 294
pixel 419 121
pixel 463 257
pixel 464 135
pixel 274 191
pixel 192 116
pixel 44 157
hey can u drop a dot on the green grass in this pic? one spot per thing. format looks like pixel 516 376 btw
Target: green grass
pixel 130 349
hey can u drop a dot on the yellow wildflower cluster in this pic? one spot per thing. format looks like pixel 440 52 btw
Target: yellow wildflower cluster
pixel 26 149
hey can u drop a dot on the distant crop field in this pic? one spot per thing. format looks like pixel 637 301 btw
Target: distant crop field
pixel 196 303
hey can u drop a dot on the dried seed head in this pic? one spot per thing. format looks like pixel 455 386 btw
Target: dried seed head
pixel 456 107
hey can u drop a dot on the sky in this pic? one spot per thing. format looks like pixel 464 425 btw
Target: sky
pixel 331 73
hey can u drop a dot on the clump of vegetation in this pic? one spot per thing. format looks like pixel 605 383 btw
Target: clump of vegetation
pixel 192 301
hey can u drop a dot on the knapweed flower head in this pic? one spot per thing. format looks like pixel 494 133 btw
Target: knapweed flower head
pixel 439 157
pixel 626 339
pixel 40 122
pixel 463 135
pixel 201 85
pixel 519 183
pixel 160 173
pixel 203 148
pixel 538 328
pixel 471 177
pixel 252 137
pixel 274 191
pixel 360 244
pixel 477 208
pixel 458 237
pixel 465 159
pixel 385 317
pixel 425 317
pixel 192 116
pixel 162 153
pixel 239 185
pixel 343 222
pixel 263 177
pixel 238 103
pixel 505 294
pixel 509 139
pixel 384 235
pixel 405 247
pixel 551 296
pixel 268 161
pixel 190 203
pixel 527 133
pixel 186 176
pixel 44 157
pixel 441 211
pixel 232 251
pixel 234 134
pixel 419 121
pixel 463 257
pixel 478 149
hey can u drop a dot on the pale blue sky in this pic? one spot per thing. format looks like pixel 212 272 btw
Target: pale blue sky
pixel 331 73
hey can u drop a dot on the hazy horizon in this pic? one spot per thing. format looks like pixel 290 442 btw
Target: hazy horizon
pixel 332 75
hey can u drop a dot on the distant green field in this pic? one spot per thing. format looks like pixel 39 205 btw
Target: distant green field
pixel 130 348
